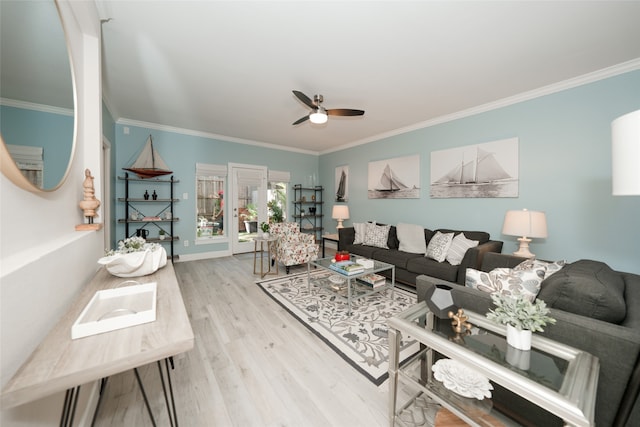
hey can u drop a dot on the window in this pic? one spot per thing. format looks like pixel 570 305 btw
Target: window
pixel 277 196
pixel 211 182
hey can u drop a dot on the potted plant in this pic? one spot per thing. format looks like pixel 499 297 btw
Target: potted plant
pixel 265 229
pixel 161 234
pixel 522 318
pixel 250 216
pixel 134 257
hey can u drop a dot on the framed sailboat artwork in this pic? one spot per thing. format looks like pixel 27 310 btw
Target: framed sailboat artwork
pixel 482 171
pixel 397 178
pixel 342 180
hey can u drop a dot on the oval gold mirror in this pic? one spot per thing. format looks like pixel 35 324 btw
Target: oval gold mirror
pixel 37 96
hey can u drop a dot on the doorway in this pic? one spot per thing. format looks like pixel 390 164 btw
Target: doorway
pixel 248 205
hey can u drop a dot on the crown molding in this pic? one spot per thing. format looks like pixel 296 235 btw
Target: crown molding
pixel 584 79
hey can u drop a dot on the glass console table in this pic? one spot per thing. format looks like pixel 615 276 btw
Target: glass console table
pixel 555 380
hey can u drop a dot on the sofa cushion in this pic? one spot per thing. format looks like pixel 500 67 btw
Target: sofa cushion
pixel 362 250
pixel 550 267
pixel 507 281
pixel 588 288
pixel 395 257
pixel 393 242
pixel 480 236
pixel 361 230
pixel 411 238
pixel 377 235
pixel 459 246
pixel 439 246
pixel 430 267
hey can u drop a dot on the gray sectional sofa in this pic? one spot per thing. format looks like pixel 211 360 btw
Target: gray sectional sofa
pixel 411 265
pixel 597 310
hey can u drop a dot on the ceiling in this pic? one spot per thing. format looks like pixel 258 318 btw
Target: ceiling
pixel 227 68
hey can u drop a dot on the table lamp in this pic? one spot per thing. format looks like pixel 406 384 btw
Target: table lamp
pixel 340 213
pixel 526 224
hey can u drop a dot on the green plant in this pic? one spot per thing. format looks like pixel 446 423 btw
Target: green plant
pixel 132 244
pixel 520 313
pixel 264 227
pixel 275 211
pixel 162 232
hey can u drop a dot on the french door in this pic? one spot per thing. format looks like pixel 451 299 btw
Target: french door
pixel 248 204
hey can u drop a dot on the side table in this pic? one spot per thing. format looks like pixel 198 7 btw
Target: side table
pixel 329 237
pixel 557 378
pixel 269 250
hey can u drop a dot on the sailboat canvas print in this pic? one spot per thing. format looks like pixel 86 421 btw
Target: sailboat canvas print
pixel 342 181
pixel 397 178
pixel 482 170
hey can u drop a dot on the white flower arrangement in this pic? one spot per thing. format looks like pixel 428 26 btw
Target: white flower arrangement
pixel 132 244
pixel 520 313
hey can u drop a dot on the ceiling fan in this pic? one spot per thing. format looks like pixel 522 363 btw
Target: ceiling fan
pixel 318 113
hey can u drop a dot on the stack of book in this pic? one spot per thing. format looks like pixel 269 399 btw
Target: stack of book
pixel 347 267
pixel 373 279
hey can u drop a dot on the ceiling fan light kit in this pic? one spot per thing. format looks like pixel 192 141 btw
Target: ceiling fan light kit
pixel 318 114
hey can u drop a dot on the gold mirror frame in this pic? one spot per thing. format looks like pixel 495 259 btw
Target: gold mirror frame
pixel 7 164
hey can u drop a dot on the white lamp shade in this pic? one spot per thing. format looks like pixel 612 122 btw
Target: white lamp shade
pixel 318 117
pixel 625 154
pixel 525 223
pixel 340 212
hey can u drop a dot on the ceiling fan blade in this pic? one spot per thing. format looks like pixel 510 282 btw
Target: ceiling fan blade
pixel 304 98
pixel 344 112
pixel 300 120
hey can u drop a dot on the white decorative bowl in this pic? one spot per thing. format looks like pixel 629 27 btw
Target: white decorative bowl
pixel 462 380
pixel 135 264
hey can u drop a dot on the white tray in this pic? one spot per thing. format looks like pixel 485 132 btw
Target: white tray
pixel 116 309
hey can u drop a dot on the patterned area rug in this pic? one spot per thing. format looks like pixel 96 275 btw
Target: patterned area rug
pixel 361 338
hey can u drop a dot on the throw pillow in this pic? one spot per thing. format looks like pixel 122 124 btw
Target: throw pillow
pixel 377 235
pixel 507 281
pixel 439 246
pixel 459 246
pixel 411 238
pixel 361 231
pixel 551 267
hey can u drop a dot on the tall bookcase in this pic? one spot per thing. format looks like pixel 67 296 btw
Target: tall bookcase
pixel 144 211
pixel 308 204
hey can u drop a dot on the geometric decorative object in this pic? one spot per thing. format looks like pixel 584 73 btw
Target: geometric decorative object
pixel 625 154
pixel 440 301
pixel 525 223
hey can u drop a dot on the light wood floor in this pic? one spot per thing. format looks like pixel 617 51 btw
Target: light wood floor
pixel 252 364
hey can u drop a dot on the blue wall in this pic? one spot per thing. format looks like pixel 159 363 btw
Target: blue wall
pixel 181 153
pixel 565 170
pixel 53 132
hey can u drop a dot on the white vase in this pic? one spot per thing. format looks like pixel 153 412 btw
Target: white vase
pixel 521 359
pixel 265 235
pixel 520 339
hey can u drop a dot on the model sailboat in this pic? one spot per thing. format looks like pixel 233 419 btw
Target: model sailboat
pixel 390 182
pixel 149 164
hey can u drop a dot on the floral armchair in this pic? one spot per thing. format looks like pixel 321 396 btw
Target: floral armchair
pixel 293 247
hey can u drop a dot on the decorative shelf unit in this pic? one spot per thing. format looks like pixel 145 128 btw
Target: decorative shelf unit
pixel 307 203
pixel 161 206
